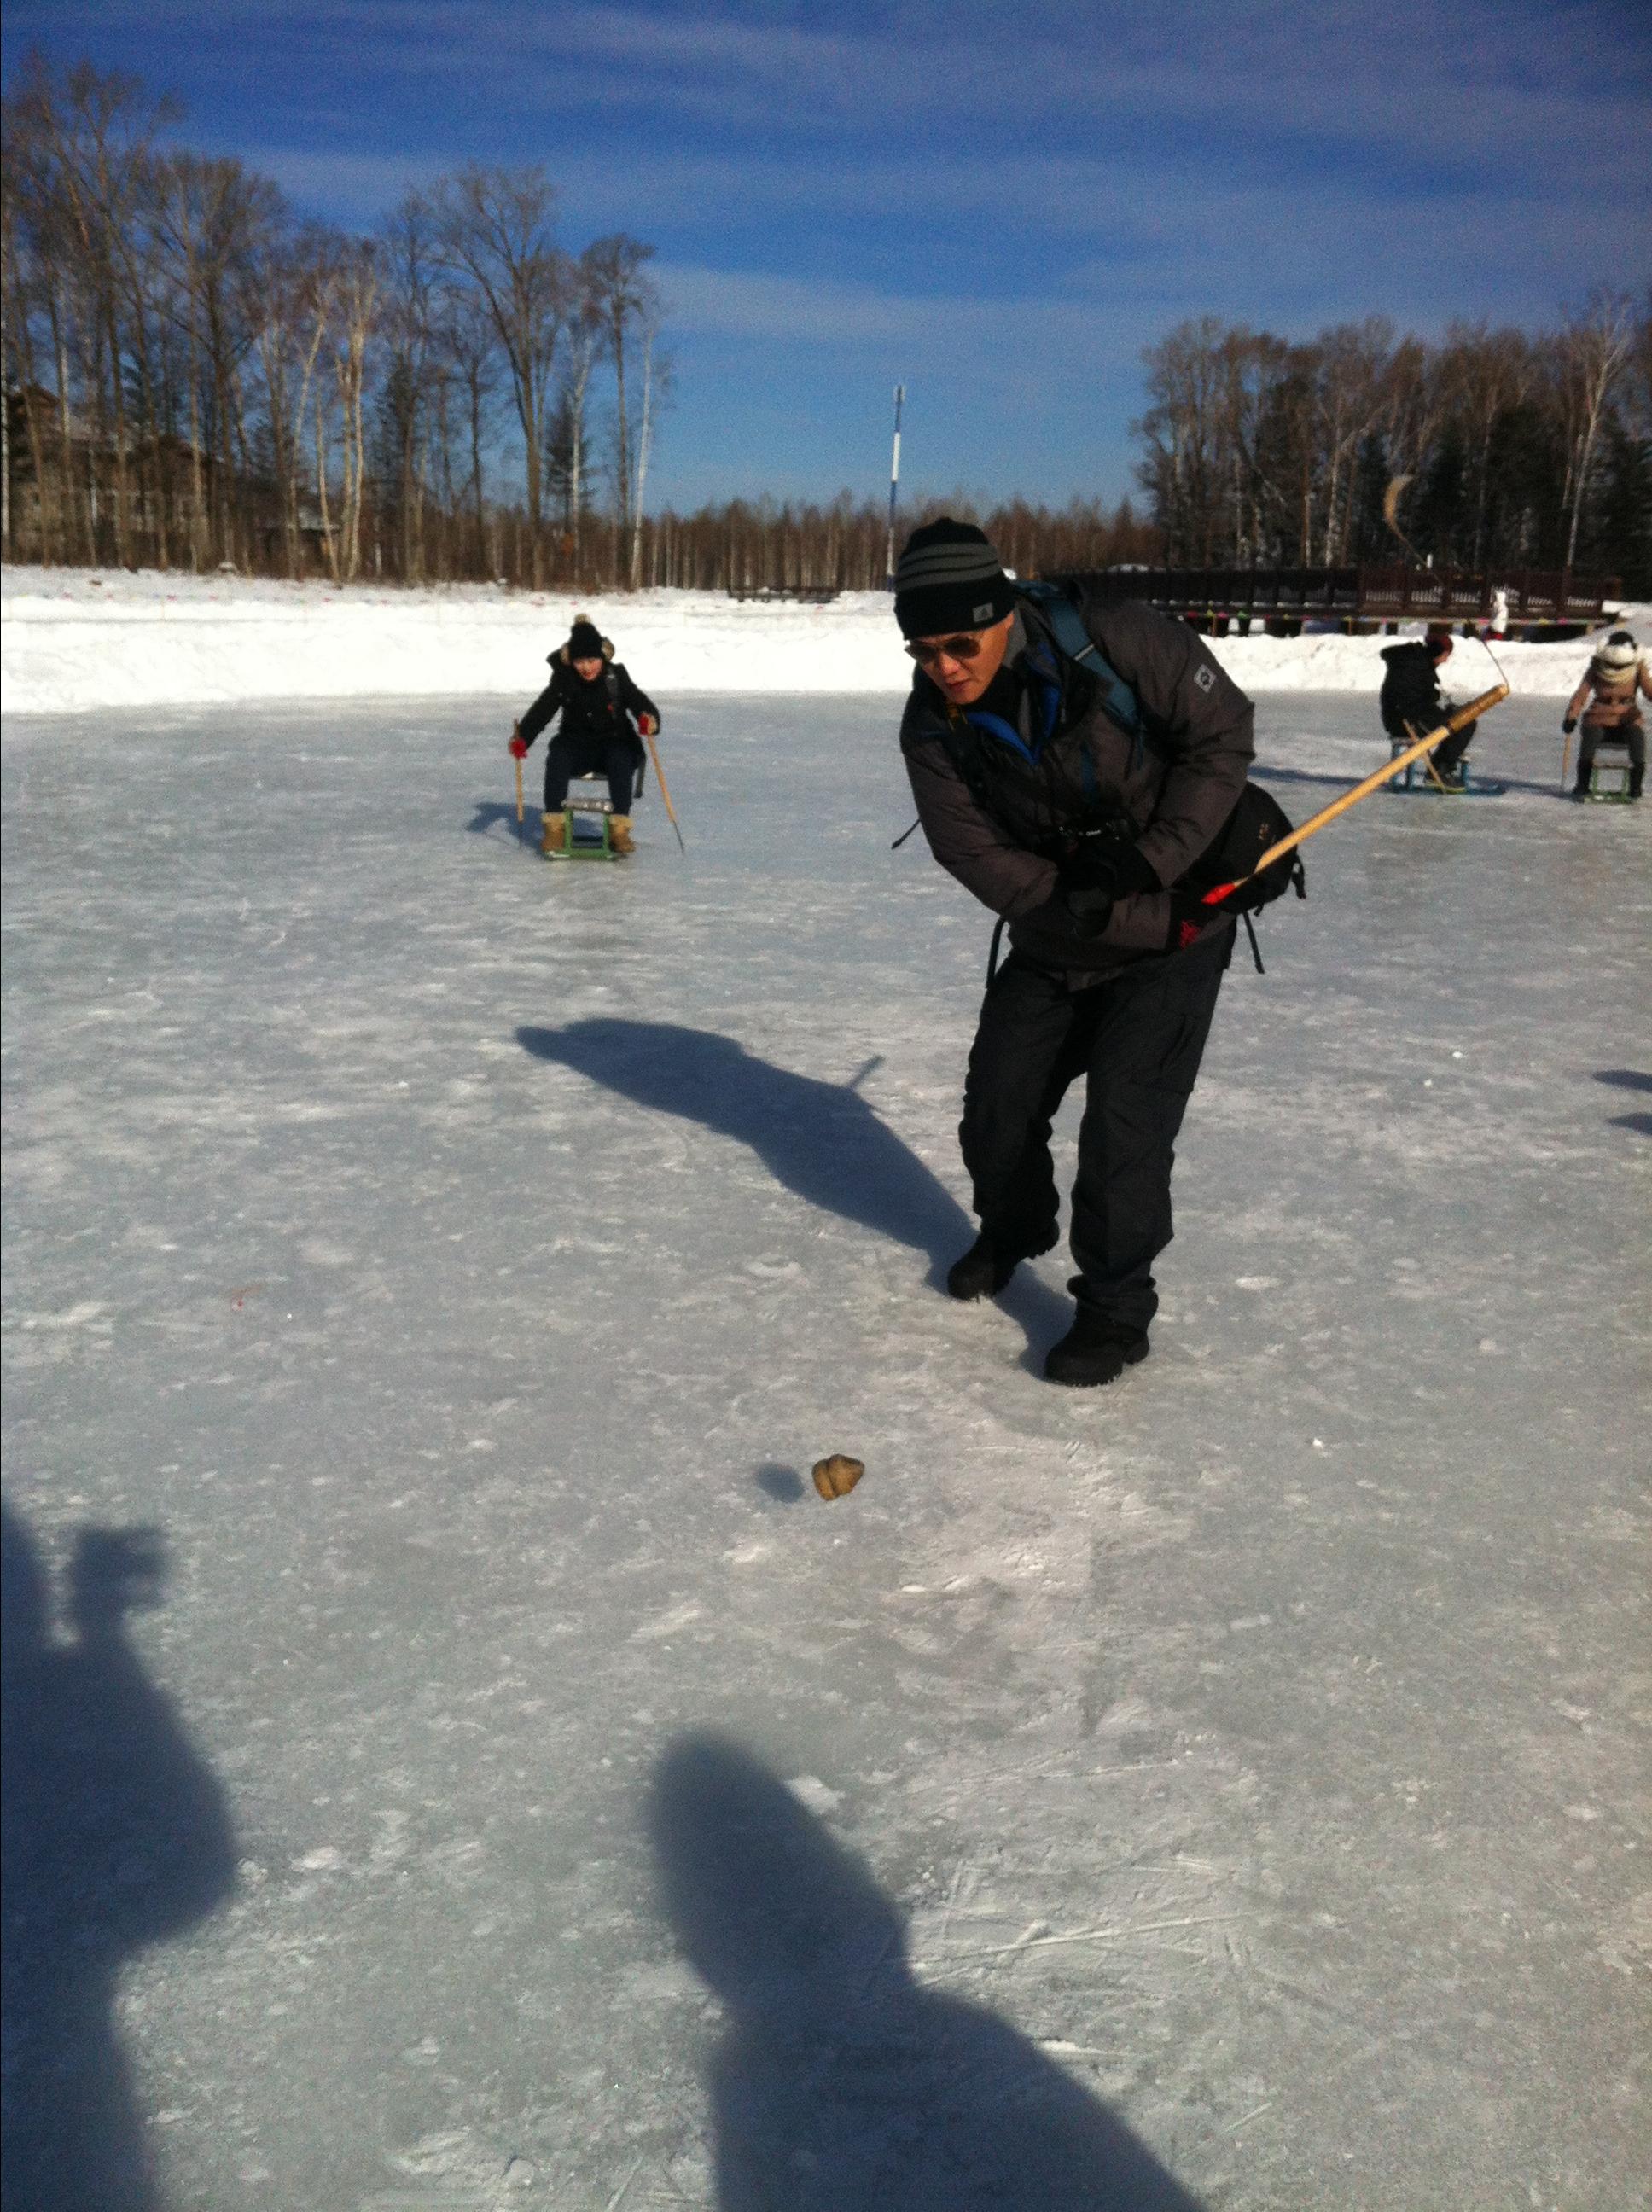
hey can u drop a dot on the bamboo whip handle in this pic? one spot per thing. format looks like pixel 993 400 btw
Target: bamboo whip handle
pixel 1364 789
pixel 664 789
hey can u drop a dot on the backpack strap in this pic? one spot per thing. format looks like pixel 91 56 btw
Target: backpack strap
pixel 1074 642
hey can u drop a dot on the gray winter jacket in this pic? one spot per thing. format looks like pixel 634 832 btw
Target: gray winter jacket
pixel 1173 794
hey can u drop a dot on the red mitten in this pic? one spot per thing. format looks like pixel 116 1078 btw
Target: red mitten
pixel 648 724
pixel 518 748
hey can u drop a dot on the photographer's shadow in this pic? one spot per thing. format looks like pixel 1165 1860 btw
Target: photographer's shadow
pixel 115 1837
pixel 821 1140
pixel 841 2084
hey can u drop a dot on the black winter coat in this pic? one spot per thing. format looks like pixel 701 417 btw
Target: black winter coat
pixel 593 712
pixel 1172 794
pixel 1411 689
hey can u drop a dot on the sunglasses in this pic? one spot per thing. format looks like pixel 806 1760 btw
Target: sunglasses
pixel 962 647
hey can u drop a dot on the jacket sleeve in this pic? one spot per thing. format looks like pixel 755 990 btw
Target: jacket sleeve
pixel 634 701
pixel 548 704
pixel 1579 699
pixel 1198 719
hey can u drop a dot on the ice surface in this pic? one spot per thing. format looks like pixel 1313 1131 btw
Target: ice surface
pixel 490 1775
pixel 74 640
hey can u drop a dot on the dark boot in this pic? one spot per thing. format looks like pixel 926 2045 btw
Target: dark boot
pixel 1581 788
pixel 1095 1349
pixel 1636 777
pixel 983 1270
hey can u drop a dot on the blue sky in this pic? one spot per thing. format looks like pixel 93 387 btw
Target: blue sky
pixel 998 205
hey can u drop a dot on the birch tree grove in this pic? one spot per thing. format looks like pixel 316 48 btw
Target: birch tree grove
pixel 1363 444
pixel 195 377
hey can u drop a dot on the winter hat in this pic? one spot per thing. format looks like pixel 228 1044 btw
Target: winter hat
pixel 1439 640
pixel 949 578
pixel 1619 652
pixel 585 640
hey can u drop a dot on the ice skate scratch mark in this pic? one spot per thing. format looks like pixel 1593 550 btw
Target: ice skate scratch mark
pixel 679 1616
pixel 1085 1936
pixel 439 2199
pixel 951 1902
pixel 623 2190
pixel 1234 2126
pixel 75 1316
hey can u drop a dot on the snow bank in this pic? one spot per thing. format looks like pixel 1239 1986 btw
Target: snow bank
pixel 74 641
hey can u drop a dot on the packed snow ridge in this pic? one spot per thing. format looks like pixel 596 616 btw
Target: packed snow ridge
pixel 77 640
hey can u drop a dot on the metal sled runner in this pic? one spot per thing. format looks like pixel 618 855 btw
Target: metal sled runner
pixel 586 835
pixel 1422 775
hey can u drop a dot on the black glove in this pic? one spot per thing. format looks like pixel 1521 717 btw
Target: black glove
pixel 1569 726
pixel 1098 876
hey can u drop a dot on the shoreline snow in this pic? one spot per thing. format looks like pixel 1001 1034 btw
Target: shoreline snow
pixel 84 641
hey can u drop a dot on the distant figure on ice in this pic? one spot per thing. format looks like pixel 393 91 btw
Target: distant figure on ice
pixel 602 711
pixel 1074 829
pixel 1609 701
pixel 1413 702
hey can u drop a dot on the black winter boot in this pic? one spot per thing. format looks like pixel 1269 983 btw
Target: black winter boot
pixel 1636 777
pixel 983 1270
pixel 1095 1349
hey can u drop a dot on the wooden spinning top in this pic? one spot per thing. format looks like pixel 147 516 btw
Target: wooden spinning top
pixel 836 1477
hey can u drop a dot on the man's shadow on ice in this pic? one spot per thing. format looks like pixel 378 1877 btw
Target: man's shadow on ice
pixel 821 1140
pixel 115 1837
pixel 841 2084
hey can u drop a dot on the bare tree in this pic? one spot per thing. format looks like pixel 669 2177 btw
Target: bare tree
pixel 357 296
pixel 216 224
pixel 465 339
pixel 1595 347
pixel 625 295
pixel 657 377
pixel 493 232
pixel 1353 363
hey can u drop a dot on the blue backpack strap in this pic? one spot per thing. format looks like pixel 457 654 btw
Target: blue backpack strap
pixel 1074 642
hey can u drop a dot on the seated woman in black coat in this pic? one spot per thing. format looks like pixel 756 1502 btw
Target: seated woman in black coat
pixel 603 713
pixel 1413 702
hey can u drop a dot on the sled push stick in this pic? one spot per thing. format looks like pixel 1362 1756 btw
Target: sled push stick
pixel 664 789
pixel 1364 789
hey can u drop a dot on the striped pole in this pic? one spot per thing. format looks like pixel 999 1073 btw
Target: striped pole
pixel 894 486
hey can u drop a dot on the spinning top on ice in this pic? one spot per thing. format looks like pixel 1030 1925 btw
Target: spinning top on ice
pixel 836 1477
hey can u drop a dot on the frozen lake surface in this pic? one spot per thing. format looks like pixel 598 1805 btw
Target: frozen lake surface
pixel 455 1761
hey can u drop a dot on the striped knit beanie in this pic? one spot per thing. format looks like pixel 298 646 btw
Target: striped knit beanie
pixel 949 578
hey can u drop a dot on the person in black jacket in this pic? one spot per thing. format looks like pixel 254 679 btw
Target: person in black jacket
pixel 603 712
pixel 1077 832
pixel 1413 702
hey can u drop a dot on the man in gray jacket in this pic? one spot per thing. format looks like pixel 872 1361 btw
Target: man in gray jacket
pixel 1041 795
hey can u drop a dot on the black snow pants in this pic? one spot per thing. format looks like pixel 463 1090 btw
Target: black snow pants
pixel 1446 757
pixel 567 756
pixel 1138 1040
pixel 1594 735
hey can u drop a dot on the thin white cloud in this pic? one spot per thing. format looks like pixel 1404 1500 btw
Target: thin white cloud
pixel 1489 83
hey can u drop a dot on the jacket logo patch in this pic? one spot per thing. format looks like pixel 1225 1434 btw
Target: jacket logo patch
pixel 983 614
pixel 1205 677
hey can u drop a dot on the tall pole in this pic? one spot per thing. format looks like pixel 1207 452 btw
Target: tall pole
pixel 893 486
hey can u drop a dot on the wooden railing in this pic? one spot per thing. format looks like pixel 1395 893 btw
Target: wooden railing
pixel 1531 597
